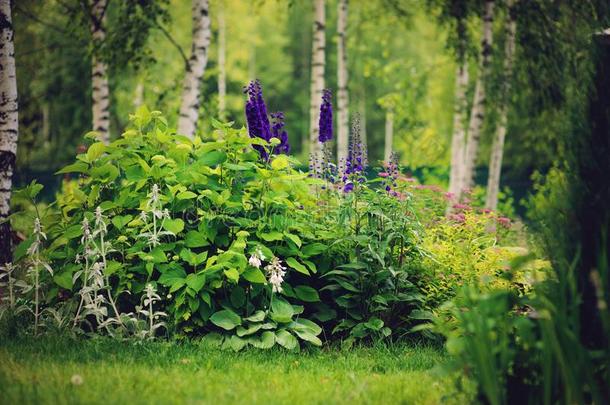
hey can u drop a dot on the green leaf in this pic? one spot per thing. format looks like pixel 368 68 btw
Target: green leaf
pixel 374 324
pixel 195 239
pixel 232 274
pixel 271 236
pixel 174 226
pixel 172 275
pixel 78 167
pixel 306 324
pixel 292 262
pixel 265 341
pixel 254 275
pixel 285 339
pixel 258 316
pixel 238 297
pixel 195 281
pixel 294 238
pixel 120 221
pixel 241 331
pixel 307 336
pixel 186 195
pixel 95 151
pixel 281 310
pixel 226 319
pixel 237 343
pixel 64 279
pixel 213 158
pixel 313 249
pixel 280 162
pixel 306 293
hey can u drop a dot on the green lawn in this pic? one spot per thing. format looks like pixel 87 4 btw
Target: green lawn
pixel 47 370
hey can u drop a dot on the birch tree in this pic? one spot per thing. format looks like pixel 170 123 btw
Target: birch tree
pixel 389 136
pixel 497 150
pixel 100 93
pixel 477 114
pixel 317 74
pixel 342 79
pixel 9 125
pixel 222 68
pixel 191 90
pixel 459 132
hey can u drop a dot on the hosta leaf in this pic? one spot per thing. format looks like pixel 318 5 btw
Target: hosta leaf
pixel 286 339
pixel 265 341
pixel 241 331
pixel 292 262
pixel 226 319
pixel 374 324
pixel 258 316
pixel 307 336
pixel 237 343
pixel 254 275
pixel 306 293
pixel 281 310
pixel 271 236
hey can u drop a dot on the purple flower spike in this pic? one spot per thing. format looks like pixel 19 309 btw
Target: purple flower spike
pixel 277 131
pixel 326 117
pixel 256 115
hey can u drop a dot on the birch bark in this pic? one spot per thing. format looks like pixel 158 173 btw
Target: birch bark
pixel 317 76
pixel 497 151
pixel 100 92
pixel 342 80
pixel 477 114
pixel 191 92
pixel 9 125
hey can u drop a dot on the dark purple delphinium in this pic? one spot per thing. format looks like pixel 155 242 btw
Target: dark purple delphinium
pixel 356 160
pixel 278 131
pixel 391 174
pixel 256 116
pixel 326 117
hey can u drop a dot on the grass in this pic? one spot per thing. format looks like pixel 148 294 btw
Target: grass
pixel 47 370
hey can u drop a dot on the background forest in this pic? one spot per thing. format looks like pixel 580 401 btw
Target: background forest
pixel 401 64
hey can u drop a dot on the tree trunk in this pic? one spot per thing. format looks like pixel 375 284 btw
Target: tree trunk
pixel 9 126
pixel 138 99
pixel 317 76
pixel 497 151
pixel 189 107
pixel 222 72
pixel 459 133
pixel 342 94
pixel 100 93
pixel 389 136
pixel 478 106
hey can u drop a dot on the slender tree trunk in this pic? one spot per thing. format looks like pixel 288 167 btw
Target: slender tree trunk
pixel 497 151
pixel 189 107
pixel 389 136
pixel 317 75
pixel 100 92
pixel 9 126
pixel 459 133
pixel 342 79
pixel 478 106
pixel 222 72
pixel 138 98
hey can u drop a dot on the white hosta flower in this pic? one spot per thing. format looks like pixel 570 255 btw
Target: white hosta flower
pixel 276 272
pixel 255 261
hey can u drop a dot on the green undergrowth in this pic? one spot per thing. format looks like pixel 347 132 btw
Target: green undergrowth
pixel 57 370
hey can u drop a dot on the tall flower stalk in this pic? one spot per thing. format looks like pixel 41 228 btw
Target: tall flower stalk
pixel 35 267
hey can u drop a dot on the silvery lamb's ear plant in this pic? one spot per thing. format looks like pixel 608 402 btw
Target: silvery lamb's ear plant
pixel 152 317
pixel 7 280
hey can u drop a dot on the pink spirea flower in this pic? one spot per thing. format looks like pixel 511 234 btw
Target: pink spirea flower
pixel 383 174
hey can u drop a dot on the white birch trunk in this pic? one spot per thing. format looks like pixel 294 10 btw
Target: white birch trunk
pixel 478 106
pixel 389 136
pixel 317 75
pixel 459 133
pixel 100 92
pixel 497 150
pixel 222 68
pixel 9 125
pixel 138 99
pixel 342 93
pixel 191 91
